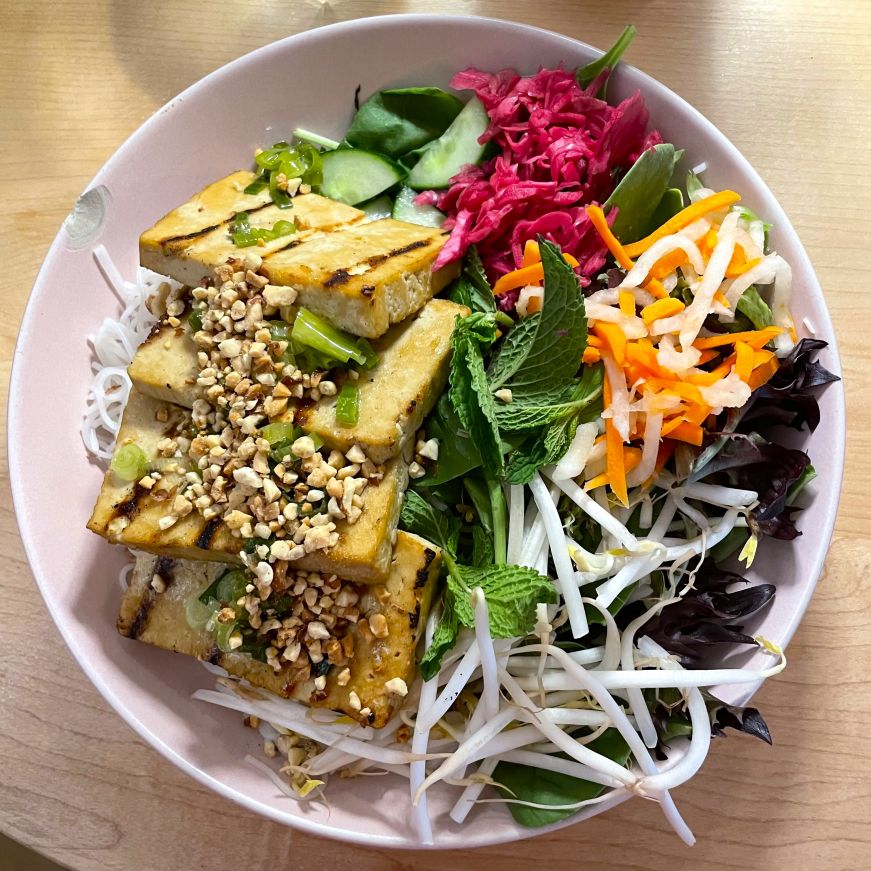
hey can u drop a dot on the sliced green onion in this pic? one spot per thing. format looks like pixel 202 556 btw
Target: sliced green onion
pixel 197 614
pixel 129 463
pixel 300 160
pixel 369 352
pixel 280 197
pixel 269 158
pixel 279 331
pixel 222 633
pixel 195 319
pixel 244 235
pixel 315 139
pixel 278 432
pixel 259 184
pixel 313 331
pixel 231 586
pixel 348 405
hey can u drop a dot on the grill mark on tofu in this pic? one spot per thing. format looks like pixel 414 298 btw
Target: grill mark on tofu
pixel 413 618
pixel 153 333
pixel 339 277
pixel 188 237
pixel 208 533
pixel 130 507
pixel 165 567
pixel 423 571
pixel 378 259
pixel 140 620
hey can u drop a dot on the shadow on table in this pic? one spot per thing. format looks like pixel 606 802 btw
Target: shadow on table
pixel 15 857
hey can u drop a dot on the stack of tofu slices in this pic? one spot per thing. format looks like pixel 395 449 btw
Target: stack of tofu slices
pixel 371 278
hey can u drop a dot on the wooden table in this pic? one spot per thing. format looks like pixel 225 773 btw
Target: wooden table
pixel 788 82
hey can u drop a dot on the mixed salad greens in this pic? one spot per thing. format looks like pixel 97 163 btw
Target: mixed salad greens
pixel 610 444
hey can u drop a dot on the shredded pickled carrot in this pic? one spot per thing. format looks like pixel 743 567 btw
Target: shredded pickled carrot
pixel 682 219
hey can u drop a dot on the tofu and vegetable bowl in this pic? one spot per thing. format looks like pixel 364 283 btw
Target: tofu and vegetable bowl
pixel 464 434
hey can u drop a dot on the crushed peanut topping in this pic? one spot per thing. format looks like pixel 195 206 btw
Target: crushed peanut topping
pixel 288 494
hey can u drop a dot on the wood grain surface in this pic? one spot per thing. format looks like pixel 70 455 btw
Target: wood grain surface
pixel 789 83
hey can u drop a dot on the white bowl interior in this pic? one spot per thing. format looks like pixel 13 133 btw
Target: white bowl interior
pixel 308 80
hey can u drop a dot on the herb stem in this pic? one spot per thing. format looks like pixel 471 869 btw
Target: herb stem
pixel 500 519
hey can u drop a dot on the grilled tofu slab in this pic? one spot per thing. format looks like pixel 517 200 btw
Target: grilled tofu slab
pixel 127 513
pixel 159 619
pixel 363 276
pixel 189 242
pixel 367 277
pixel 395 396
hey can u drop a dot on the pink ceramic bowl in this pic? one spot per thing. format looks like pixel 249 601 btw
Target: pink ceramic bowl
pixel 307 80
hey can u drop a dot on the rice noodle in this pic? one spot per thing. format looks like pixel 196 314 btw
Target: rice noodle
pixel 114 343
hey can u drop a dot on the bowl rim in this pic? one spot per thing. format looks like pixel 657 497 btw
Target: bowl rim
pixel 17 472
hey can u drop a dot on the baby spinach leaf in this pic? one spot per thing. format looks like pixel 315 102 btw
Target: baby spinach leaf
pixel 551 787
pixel 427 521
pixel 640 191
pixel 469 389
pixel 670 204
pixel 457 452
pixel 399 120
pixel 545 349
pixel 608 61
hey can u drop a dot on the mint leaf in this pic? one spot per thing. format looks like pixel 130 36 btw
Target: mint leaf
pixel 444 638
pixel 474 272
pixel 512 593
pixel 513 351
pixel 483 552
pixel 544 351
pixel 421 518
pixel 640 191
pixel 541 449
pixel 472 289
pixel 533 410
pixel 469 389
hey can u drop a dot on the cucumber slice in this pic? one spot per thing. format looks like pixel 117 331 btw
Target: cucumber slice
pixel 405 209
pixel 353 176
pixel 454 149
pixel 382 207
